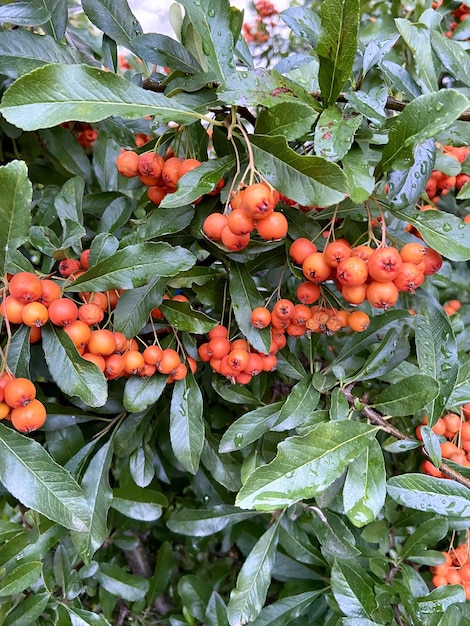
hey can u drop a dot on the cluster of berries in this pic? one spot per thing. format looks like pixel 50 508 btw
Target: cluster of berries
pixel 440 184
pixel 18 403
pixel 236 359
pixel 251 208
pixel 454 432
pixel 454 570
pixel 259 31
pixel 363 273
pixel 159 174
pixel 84 133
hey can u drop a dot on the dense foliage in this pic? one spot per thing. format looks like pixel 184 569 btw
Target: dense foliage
pixel 235 382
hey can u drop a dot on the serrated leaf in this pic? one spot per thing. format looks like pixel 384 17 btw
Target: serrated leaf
pixel 353 589
pixel 98 494
pixel 186 423
pixel 246 297
pixel 406 186
pixel 248 597
pixel 334 133
pixel 166 52
pixel 417 38
pixel 437 353
pixel 444 232
pixel 198 182
pixel 181 316
pixel 15 216
pixel 134 306
pixel 138 503
pixel 423 118
pixel 291 120
pixel 249 427
pixel 337 45
pixel 114 18
pixel 263 87
pixel 73 375
pixel 24 14
pixel 305 466
pixel 30 475
pixel 120 584
pixel 142 392
pixel 20 578
pixel 439 496
pixel 309 180
pixel 211 19
pixel 364 487
pixel 408 396
pixel 206 522
pixel 133 266
pixel 86 93
pixel 28 611
pixel 299 405
pixel 22 51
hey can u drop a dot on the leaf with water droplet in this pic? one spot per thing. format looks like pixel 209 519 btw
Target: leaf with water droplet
pixel 186 423
pixel 406 186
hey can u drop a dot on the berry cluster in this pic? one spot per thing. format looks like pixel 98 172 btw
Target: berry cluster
pixel 454 570
pixel 251 208
pixel 454 432
pixel 159 174
pixel 363 273
pixel 236 359
pixel 18 403
pixel 440 184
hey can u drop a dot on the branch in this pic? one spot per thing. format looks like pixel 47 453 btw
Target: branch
pixel 377 419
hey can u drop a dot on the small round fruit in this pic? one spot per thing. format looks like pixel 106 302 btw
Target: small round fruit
pixel 261 317
pixel 69 267
pixel 25 287
pixel 34 314
pixel 127 163
pixel 50 291
pixel 102 342
pixel 358 321
pixel 91 314
pixel 63 311
pixel 12 310
pixel 169 361
pixel 300 249
pixel 213 226
pixel 273 227
pixel 30 417
pixel 19 392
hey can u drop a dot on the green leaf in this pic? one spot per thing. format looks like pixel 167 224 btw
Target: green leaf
pixel 364 487
pixel 248 597
pixel 24 14
pixel 134 306
pixel 19 353
pixel 223 468
pixel 439 496
pixel 211 19
pixel 359 174
pixel 263 87
pixel 417 38
pixel 160 222
pixel 81 617
pixel 28 611
pixel 452 55
pixel 206 522
pixel 436 349
pixel 138 504
pixel 186 423
pixel 289 119
pixel 337 45
pixel 423 118
pixel 114 18
pixel 461 391
pixel 428 533
pixel 439 601
pixel 165 51
pixel 30 475
pixel 353 589
pixel 432 445
pixel 444 232
pixel 339 406
pixel 305 466
pixel 73 375
pixel 408 396
pixel 134 266
pixel 370 104
pixel 249 427
pixel 406 186
pixel 303 22
pixel 198 182
pixel 22 51
pixel 245 297
pixel 142 392
pixel 63 146
pixel 120 584
pixel 309 180
pixel 58 18
pixel 142 465
pixel 299 406
pixel 334 133
pixel 17 193
pixel 216 611
pixel 98 494
pixel 336 539
pixel 53 94
pixel 288 608
pixel 20 578
pixel 181 316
